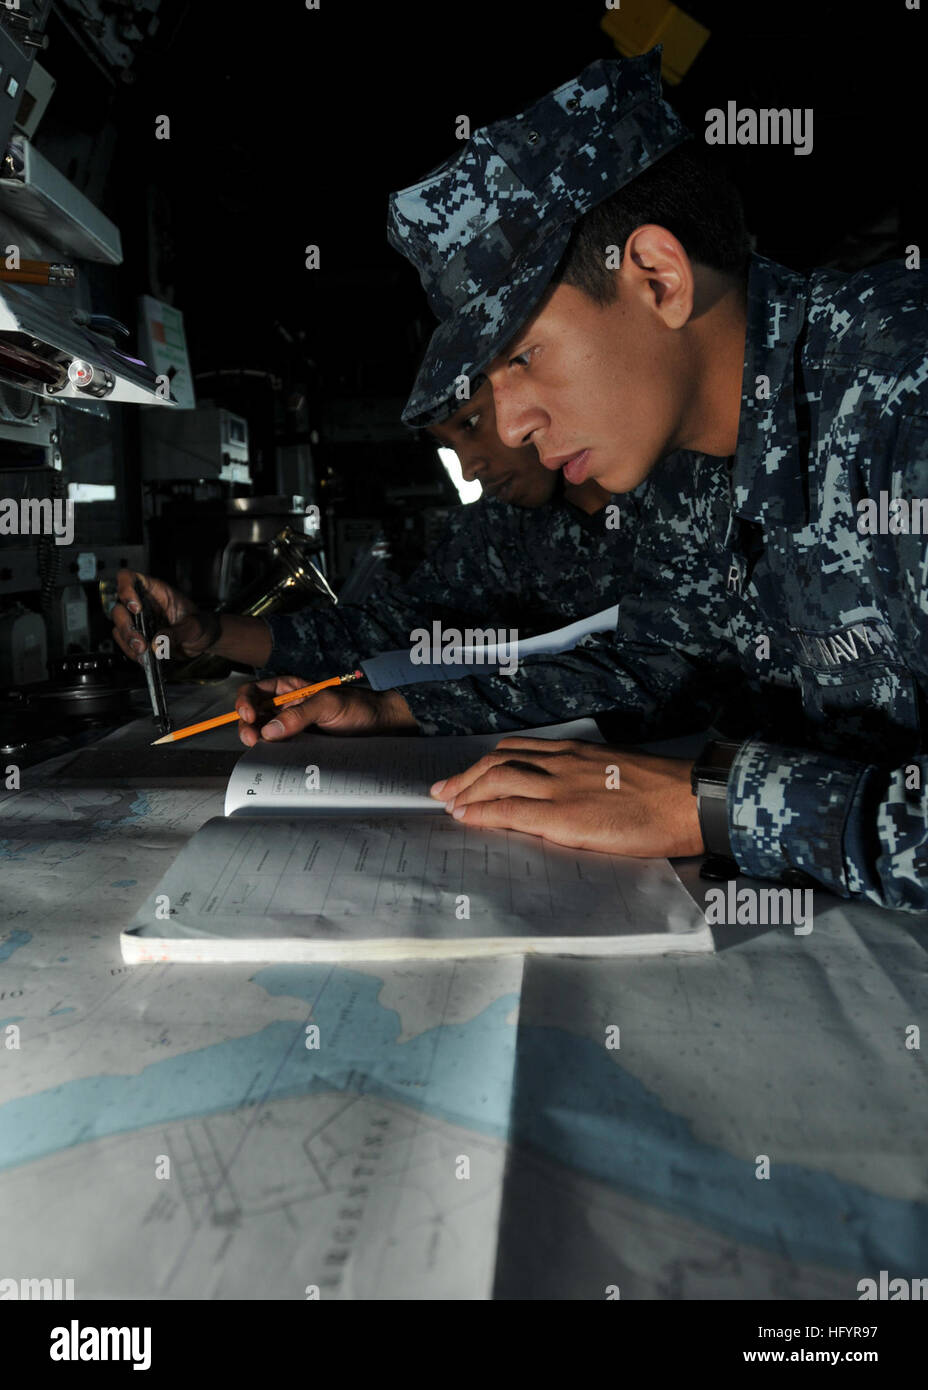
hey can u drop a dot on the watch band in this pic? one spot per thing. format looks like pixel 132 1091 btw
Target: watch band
pixel 710 787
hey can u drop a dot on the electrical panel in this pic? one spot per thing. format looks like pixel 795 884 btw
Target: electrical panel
pixel 208 442
pixel 22 36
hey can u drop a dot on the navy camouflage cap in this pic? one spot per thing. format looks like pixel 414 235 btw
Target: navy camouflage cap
pixel 443 412
pixel 487 229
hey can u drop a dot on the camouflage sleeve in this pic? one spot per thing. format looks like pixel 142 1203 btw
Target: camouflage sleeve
pixel 544 690
pixel 665 669
pixel 466 573
pixel 858 831
pixel 645 691
pixel 861 830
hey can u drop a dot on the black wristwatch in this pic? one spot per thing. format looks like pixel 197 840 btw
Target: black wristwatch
pixel 710 787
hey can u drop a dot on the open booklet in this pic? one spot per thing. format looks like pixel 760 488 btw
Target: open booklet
pixel 331 849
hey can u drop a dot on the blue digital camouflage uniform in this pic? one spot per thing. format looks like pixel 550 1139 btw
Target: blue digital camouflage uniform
pixel 532 569
pixel 829 786
pixel 487 228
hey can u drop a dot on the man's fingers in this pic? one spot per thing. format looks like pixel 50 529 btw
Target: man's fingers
pixel 252 696
pixel 254 707
pixel 127 639
pixel 288 720
pixel 505 779
pixel 320 710
pixel 125 589
pixel 544 818
pixel 330 706
pixel 509 813
pixel 122 621
pixel 546 747
pixel 531 768
pixel 254 692
pixel 453 786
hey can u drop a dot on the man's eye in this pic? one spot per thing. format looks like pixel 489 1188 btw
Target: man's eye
pixel 471 423
pixel 521 359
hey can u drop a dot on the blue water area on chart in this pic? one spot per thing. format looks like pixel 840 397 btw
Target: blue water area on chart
pixel 461 1071
pixel 572 1102
pixel 21 852
pixel 138 810
pixel 12 943
pixel 575 1104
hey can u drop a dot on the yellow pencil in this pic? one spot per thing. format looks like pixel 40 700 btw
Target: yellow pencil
pixel 289 698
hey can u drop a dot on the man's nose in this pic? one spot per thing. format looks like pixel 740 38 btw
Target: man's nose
pixel 515 419
pixel 473 465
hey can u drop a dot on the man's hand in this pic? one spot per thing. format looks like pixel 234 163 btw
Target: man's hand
pixel 172 612
pixel 584 795
pixel 337 710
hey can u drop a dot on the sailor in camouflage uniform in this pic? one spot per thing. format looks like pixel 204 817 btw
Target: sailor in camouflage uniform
pixel 757 600
pixel 528 568
pixel 533 554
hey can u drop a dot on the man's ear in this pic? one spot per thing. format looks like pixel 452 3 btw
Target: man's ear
pixel 655 265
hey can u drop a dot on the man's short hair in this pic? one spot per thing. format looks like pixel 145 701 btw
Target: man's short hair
pixel 689 193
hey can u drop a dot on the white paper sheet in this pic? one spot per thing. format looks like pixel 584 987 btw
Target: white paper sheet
pixel 323 888
pixel 390 669
pixel 362 774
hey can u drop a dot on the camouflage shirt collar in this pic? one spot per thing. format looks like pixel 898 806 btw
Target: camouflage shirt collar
pixel 768 475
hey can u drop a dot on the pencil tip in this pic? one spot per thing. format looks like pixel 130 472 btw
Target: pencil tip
pixel 168 738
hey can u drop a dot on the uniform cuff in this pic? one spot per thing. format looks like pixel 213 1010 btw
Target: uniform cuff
pixel 422 702
pixel 788 813
pixel 294 647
